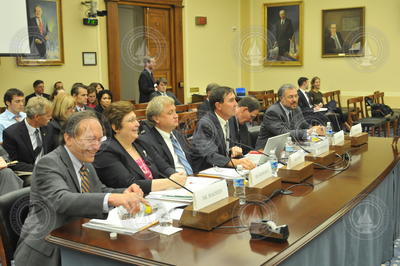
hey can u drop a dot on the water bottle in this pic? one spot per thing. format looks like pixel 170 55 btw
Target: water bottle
pixel 144 211
pixel 329 132
pixel 289 147
pixel 274 162
pixel 239 185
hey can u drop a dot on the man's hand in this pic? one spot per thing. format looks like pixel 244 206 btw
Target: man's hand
pixel 3 163
pixel 134 189
pixel 246 163
pixel 130 201
pixel 317 107
pixel 319 129
pixel 236 152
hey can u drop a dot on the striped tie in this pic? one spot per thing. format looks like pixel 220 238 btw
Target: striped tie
pixel 84 173
pixel 181 155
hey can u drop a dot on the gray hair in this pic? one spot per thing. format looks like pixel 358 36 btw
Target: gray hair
pixel 250 102
pixel 285 87
pixel 71 127
pixel 37 106
pixel 147 59
pixel 156 106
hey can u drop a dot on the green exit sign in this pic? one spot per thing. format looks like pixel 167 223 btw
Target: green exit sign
pixel 90 21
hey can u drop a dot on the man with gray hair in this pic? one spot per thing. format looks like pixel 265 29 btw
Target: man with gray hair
pixel 285 116
pixel 163 136
pixel 146 80
pixel 26 141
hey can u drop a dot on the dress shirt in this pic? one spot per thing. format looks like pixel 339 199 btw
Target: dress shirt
pixel 166 137
pixel 7 119
pixel 77 167
pixel 225 129
pixel 305 95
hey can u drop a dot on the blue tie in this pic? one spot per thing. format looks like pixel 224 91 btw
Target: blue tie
pixel 181 155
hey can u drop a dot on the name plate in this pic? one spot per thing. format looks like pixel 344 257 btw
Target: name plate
pixel 295 159
pixel 338 138
pixel 210 195
pixel 355 130
pixel 321 147
pixel 259 174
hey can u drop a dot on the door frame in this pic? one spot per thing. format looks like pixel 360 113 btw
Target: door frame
pixel 113 43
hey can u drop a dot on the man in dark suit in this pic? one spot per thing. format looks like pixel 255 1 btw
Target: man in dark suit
pixel 146 80
pixel 163 136
pixel 312 114
pixel 38 87
pixel 65 187
pixel 26 141
pixel 285 116
pixel 162 91
pixel 38 33
pixel 80 93
pixel 205 106
pixel 248 109
pixel 334 41
pixel 283 33
pixel 211 145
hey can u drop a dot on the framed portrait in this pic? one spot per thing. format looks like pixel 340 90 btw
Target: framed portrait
pixel 343 32
pixel 283 34
pixel 45 34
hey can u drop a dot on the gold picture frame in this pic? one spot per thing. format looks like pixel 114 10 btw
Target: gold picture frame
pixel 343 32
pixel 45 34
pixel 283 24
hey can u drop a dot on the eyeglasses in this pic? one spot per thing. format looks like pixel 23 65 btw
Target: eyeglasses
pixel 93 141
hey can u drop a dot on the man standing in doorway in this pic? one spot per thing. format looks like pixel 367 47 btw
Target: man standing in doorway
pixel 146 80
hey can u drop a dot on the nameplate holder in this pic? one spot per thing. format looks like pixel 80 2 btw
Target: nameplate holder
pixel 259 174
pixel 342 147
pixel 338 138
pixel 355 130
pixel 359 139
pixel 325 159
pixel 210 194
pixel 320 147
pixel 295 159
pixel 297 174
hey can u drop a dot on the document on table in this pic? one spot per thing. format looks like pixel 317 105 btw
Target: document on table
pixel 227 173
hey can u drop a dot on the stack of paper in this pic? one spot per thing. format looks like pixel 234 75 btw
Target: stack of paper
pixel 227 173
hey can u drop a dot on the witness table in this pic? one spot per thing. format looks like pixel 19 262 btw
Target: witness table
pixel 347 219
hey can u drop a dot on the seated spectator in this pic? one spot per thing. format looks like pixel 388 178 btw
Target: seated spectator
pixel 63 108
pixel 14 100
pixel 125 159
pixel 205 106
pixel 285 116
pixel 92 97
pixel 104 99
pixel 163 137
pixel 57 88
pixel 26 141
pixel 162 91
pixel 247 110
pixel 211 145
pixel 98 86
pixel 315 94
pixel 38 87
pixel 79 92
pixel 9 181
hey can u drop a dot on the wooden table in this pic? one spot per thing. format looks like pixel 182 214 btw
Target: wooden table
pixel 308 212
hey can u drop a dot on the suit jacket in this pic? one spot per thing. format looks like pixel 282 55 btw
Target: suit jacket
pixel 330 44
pixel 116 168
pixel 170 94
pixel 283 33
pixel 54 133
pixel 153 138
pixel 275 122
pixel 45 95
pixel 303 104
pixel 55 201
pixel 146 86
pixel 34 33
pixel 209 146
pixel 309 115
pixel 203 109
pixel 241 134
pixel 18 144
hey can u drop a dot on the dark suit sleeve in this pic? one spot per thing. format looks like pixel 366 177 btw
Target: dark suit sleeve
pixel 146 85
pixel 10 145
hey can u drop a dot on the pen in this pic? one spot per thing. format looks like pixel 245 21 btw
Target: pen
pixel 148 226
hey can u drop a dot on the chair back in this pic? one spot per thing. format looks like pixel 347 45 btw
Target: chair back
pixel 269 99
pixel 356 109
pixel 255 93
pixel 182 108
pixel 141 106
pixel 140 114
pixel 328 96
pixel 14 208
pixel 187 123
pixel 336 94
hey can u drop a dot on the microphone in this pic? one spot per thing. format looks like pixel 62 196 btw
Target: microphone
pixel 173 181
pixel 298 144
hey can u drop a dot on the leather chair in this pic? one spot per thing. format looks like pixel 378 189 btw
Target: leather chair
pixel 14 208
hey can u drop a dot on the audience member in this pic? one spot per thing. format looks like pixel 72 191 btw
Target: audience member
pixel 163 136
pixel 65 188
pixel 285 116
pixel 14 100
pixel 211 146
pixel 125 159
pixel 57 88
pixel 315 94
pixel 63 108
pixel 205 106
pixel 26 141
pixel 104 99
pixel 162 91
pixel 98 86
pixel 146 80
pixel 38 87
pixel 79 92
pixel 92 97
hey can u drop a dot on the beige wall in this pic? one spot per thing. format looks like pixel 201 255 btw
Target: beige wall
pixel 77 39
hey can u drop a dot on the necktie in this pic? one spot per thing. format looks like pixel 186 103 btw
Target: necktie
pixel 290 116
pixel 38 148
pixel 84 174
pixel 181 155
pixel 40 26
pixel 226 137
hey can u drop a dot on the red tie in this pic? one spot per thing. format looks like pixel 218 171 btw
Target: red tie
pixel 41 26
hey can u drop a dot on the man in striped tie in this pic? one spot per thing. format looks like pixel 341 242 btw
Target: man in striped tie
pixel 64 187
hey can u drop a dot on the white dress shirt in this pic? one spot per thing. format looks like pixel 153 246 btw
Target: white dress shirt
pixel 225 129
pixel 308 100
pixel 166 137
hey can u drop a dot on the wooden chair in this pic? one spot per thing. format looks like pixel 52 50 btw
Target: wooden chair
pixel 255 93
pixel 198 98
pixel 187 123
pixel 194 106
pixel 328 96
pixel 357 115
pixel 140 114
pixel 392 120
pixel 269 99
pixel 182 108
pixel 139 106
